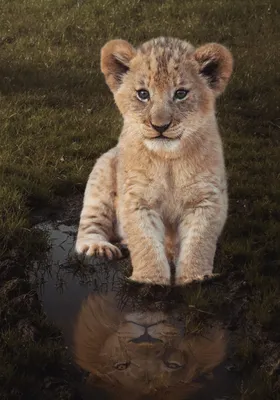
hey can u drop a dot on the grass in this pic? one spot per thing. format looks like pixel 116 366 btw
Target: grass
pixel 57 116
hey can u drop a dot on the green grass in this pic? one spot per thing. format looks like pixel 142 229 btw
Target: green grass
pixel 57 116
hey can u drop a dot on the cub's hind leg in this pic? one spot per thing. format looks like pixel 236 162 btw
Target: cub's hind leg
pixel 98 215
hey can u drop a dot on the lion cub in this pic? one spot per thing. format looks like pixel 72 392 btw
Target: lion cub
pixel 165 181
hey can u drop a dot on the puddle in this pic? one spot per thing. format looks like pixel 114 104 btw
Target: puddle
pixel 62 283
pixel 135 343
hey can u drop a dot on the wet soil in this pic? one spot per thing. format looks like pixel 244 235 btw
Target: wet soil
pixel 100 336
pixel 34 362
pixel 33 359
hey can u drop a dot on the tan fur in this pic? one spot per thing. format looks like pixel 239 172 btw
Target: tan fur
pixel 103 345
pixel 169 189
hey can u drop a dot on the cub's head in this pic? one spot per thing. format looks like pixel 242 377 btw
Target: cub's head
pixel 166 89
pixel 133 354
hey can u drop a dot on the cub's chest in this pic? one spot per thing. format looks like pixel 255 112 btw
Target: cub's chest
pixel 165 186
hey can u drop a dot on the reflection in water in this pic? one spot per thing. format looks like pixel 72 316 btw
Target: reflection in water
pixel 148 353
pixel 135 342
pixel 63 283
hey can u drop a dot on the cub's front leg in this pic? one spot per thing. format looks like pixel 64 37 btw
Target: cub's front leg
pixel 145 234
pixel 198 232
pixel 98 212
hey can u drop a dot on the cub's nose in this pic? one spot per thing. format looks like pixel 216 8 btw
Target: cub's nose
pixel 162 128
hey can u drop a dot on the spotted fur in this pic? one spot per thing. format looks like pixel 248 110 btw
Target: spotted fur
pixel 171 188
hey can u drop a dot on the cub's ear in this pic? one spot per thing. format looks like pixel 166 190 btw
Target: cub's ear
pixel 115 59
pixel 215 64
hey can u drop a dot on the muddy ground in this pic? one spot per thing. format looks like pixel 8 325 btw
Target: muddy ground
pixel 36 363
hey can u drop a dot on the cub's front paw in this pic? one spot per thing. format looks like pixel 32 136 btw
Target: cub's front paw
pixel 154 279
pixel 187 278
pixel 193 271
pixel 98 249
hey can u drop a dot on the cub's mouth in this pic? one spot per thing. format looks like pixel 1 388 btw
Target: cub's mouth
pixel 165 138
pixel 162 137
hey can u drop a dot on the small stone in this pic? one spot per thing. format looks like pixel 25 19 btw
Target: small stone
pixel 27 331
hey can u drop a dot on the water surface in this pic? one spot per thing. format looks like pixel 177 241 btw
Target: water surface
pixel 134 341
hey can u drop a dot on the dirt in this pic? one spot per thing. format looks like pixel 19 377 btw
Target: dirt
pixel 34 363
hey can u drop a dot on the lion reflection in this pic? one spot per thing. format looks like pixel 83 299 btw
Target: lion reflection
pixel 143 354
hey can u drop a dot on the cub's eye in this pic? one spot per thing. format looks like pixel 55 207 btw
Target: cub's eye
pixel 143 95
pixel 122 365
pixel 181 94
pixel 173 365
